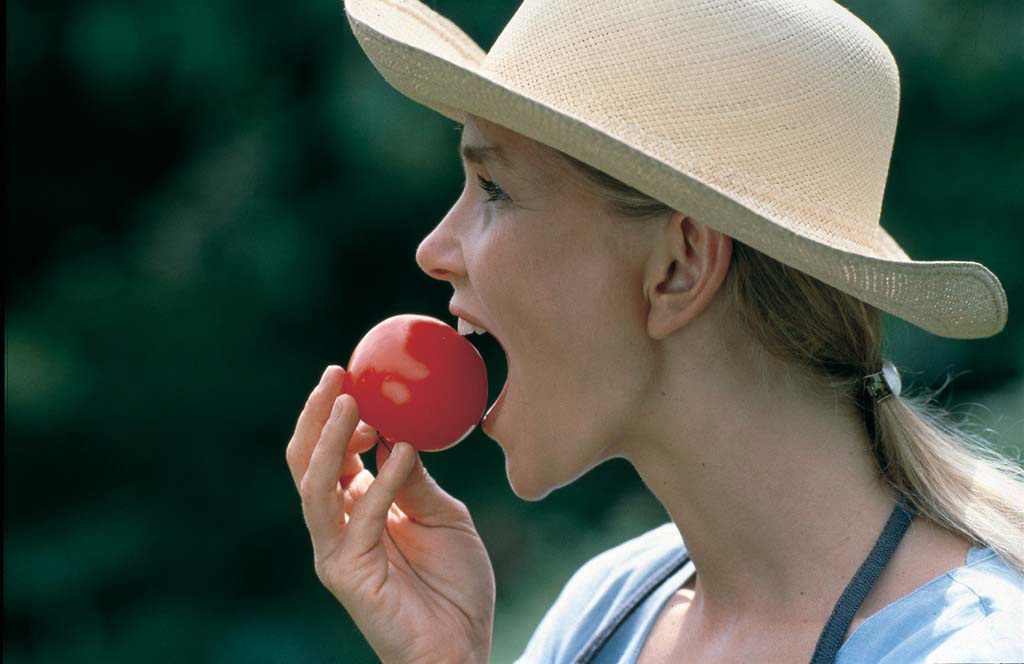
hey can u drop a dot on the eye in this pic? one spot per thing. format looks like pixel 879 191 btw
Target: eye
pixel 494 192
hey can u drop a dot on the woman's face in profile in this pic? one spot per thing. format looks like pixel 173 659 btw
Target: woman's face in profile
pixel 534 255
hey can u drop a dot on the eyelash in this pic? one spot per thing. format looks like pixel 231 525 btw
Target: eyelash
pixel 494 192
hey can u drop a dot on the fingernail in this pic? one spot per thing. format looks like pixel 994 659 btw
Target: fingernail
pixel 394 452
pixel 323 377
pixel 337 409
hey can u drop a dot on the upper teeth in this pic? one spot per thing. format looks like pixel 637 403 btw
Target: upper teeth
pixel 466 327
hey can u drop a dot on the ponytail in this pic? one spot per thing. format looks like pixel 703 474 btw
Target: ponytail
pixel 951 476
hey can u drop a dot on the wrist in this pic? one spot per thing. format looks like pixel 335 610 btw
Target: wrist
pixel 472 657
pixel 478 654
pixel 478 657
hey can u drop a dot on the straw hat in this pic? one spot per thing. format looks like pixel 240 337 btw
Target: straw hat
pixel 771 121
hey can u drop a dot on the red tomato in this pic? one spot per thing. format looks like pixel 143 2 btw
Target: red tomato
pixel 418 380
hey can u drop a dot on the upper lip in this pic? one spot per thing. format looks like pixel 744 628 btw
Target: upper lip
pixel 459 313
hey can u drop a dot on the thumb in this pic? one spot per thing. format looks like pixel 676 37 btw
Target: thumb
pixel 420 496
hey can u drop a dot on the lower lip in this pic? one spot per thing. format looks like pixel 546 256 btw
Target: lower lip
pixel 491 416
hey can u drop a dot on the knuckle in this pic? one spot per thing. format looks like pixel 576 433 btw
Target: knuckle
pixel 291 453
pixel 306 491
pixel 323 573
pixel 310 404
pixel 460 508
pixel 327 567
pixel 307 407
pixel 320 567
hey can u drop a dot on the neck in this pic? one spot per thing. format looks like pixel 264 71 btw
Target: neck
pixel 777 507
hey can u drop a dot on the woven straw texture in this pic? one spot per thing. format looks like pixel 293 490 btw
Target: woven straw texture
pixel 769 120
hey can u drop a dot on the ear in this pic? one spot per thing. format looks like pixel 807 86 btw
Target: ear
pixel 687 266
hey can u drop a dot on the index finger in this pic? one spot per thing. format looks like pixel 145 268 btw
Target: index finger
pixel 311 421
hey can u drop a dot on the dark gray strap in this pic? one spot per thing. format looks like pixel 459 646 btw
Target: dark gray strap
pixel 593 646
pixel 846 608
pixel 838 624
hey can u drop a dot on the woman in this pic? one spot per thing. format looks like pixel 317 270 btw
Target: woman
pixel 696 289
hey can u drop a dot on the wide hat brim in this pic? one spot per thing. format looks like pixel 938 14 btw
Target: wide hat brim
pixel 429 59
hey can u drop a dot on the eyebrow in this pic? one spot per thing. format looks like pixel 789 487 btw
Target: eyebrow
pixel 478 154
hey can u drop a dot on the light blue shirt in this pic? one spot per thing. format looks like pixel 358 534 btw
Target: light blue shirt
pixel 974 613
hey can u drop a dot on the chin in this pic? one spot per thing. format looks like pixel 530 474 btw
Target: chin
pixel 527 488
pixel 533 476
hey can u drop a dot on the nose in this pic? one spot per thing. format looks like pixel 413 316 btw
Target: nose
pixel 440 253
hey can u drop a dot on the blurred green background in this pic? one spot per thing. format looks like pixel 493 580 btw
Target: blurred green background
pixel 210 202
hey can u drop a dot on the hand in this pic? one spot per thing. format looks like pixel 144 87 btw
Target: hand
pixel 398 552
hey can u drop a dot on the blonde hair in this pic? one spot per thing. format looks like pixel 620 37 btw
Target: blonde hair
pixel 949 474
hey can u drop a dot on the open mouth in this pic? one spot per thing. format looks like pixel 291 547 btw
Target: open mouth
pixel 492 350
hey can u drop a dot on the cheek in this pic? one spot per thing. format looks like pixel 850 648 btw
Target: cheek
pixel 601 312
pixel 570 312
pixel 514 275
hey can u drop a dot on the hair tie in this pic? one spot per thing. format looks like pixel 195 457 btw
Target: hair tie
pixel 885 383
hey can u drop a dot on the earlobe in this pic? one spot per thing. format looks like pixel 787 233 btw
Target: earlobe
pixel 670 300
